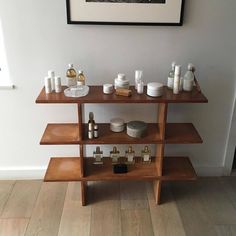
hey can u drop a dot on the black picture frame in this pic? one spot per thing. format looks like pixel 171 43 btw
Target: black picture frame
pixel 85 22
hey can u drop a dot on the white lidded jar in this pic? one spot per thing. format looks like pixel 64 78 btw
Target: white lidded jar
pixel 189 79
pixel 155 89
pixel 170 80
pixel 177 79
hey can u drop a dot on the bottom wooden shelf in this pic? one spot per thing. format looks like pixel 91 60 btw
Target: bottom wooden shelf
pixel 68 169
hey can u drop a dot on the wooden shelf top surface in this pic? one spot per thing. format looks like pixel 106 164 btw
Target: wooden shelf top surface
pixel 68 169
pixel 182 133
pixel 96 95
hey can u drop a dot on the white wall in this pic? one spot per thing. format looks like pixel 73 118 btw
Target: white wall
pixel 38 38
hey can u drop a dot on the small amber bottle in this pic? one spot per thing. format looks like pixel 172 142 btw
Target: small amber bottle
pixel 81 78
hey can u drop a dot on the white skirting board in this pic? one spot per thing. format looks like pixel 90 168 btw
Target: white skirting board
pixel 22 173
pixel 39 172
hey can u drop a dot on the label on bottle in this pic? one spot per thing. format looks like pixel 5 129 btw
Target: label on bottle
pixel 170 82
pixel 188 85
pixel 95 133
pixel 90 134
pixel 176 84
pixel 71 81
pixel 146 157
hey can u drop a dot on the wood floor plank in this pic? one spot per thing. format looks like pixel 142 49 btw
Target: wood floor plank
pixel 45 220
pixel 193 214
pixel 13 227
pixel 219 208
pixel 5 191
pixel 165 217
pixel 105 215
pixel 136 222
pixel 76 218
pixel 22 199
pixel 133 195
pixel 225 230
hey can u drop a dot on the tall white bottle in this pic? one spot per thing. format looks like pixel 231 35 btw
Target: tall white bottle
pixel 177 79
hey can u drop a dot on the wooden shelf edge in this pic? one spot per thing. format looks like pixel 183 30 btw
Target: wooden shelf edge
pixel 68 169
pixel 68 134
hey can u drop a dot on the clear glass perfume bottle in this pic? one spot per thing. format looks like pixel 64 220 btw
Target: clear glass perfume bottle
pixel 188 80
pixel 146 155
pixel 98 156
pixel 81 78
pixel 71 76
pixel 115 155
pixel 170 81
pixel 130 156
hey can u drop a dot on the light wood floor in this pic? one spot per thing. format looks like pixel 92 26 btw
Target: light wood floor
pixel 201 208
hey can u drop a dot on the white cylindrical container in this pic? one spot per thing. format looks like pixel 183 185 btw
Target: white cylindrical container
pixel 117 125
pixel 155 89
pixel 58 87
pixel 140 86
pixel 107 88
pixel 177 79
pixel 51 74
pixel 48 84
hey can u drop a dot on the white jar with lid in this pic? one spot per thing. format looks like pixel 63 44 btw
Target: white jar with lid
pixel 107 88
pixel 117 125
pixel 155 89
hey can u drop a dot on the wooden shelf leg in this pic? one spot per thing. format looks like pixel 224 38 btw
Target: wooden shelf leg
pixel 83 192
pixel 157 191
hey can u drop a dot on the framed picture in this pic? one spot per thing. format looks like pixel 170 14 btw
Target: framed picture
pixel 125 12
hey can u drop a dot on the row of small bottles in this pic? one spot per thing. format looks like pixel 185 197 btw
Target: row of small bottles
pixel 129 156
pixel 73 78
pixel 178 83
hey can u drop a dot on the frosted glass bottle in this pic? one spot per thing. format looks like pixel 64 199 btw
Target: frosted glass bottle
pixel 188 79
pixel 170 80
pixel 71 76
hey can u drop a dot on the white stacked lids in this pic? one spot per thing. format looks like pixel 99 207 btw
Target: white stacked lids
pixel 117 125
pixel 121 81
pixel 155 89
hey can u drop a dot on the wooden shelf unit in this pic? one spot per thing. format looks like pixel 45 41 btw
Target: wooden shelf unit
pixel 161 133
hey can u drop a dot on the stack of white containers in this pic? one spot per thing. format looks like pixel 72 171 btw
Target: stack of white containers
pixel 121 82
pixel 155 89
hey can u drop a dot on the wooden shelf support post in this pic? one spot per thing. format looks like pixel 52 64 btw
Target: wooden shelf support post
pixel 162 118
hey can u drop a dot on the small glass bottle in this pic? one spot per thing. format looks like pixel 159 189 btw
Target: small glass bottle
pixel 170 80
pixel 189 79
pixel 130 156
pixel 146 155
pixel 95 131
pixel 81 78
pixel 71 76
pixel 98 156
pixel 91 124
pixel 115 155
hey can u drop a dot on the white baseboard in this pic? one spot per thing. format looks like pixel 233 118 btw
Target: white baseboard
pixel 209 171
pixel 15 173
pixel 39 172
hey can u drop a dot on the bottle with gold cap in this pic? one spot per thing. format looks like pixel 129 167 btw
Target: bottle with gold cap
pixel 71 76
pixel 81 78
pixel 146 155
pixel 115 155
pixel 130 156
pixel 98 156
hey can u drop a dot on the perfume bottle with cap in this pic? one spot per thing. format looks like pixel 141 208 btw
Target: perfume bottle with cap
pixel 188 80
pixel 98 156
pixel 146 155
pixel 91 124
pixel 130 156
pixel 71 76
pixel 81 78
pixel 115 155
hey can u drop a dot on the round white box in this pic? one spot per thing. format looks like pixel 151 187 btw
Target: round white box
pixel 117 125
pixel 155 89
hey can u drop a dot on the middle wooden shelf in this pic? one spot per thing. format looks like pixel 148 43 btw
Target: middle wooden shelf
pixel 176 133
